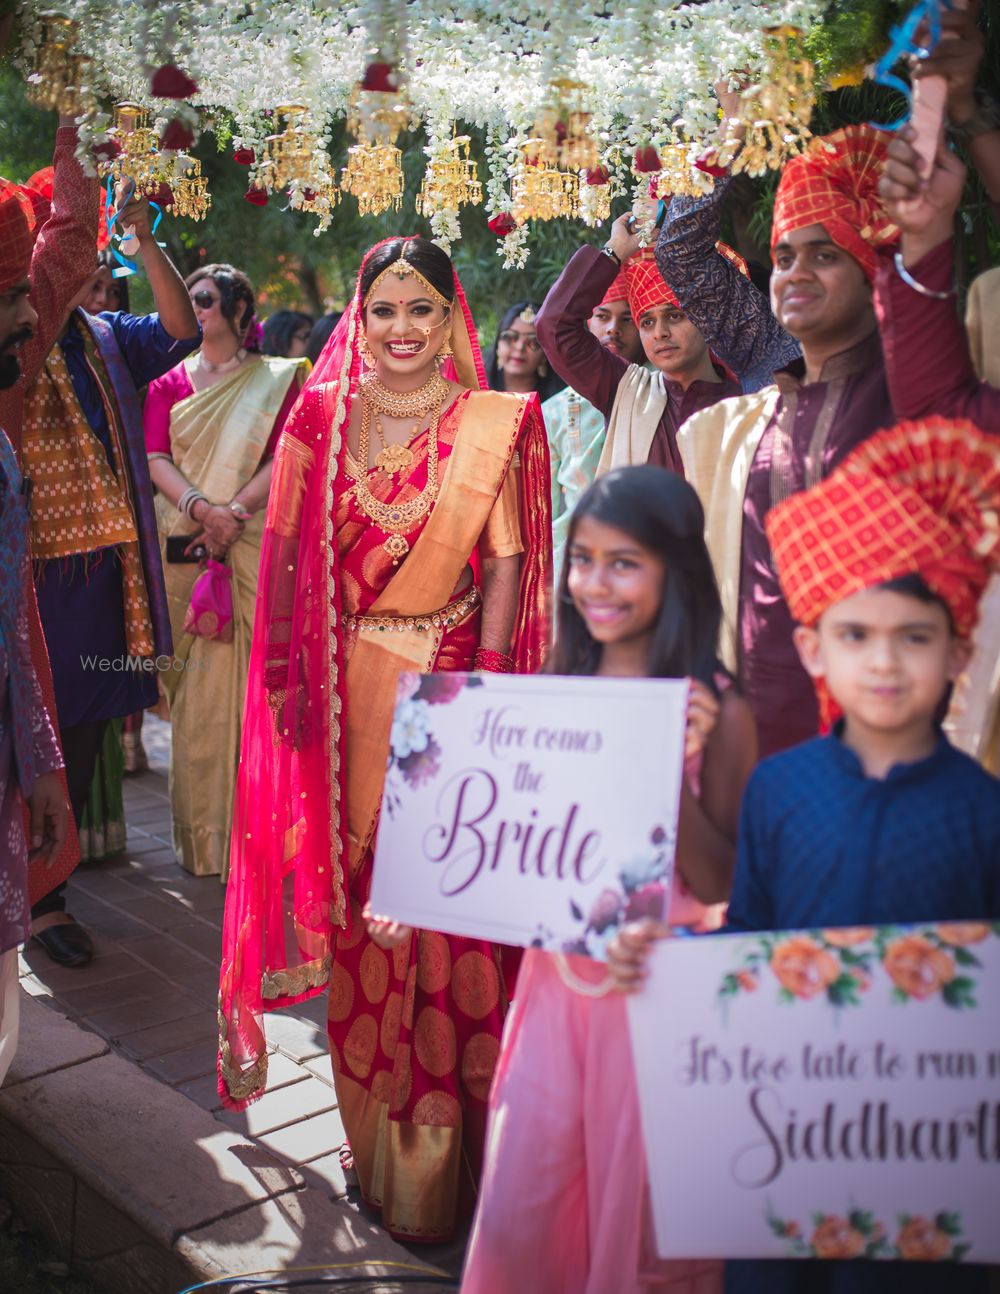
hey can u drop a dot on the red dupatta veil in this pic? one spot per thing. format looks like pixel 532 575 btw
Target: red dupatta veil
pixel 286 897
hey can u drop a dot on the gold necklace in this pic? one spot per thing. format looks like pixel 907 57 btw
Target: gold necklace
pixel 396 458
pixel 394 518
pixel 403 404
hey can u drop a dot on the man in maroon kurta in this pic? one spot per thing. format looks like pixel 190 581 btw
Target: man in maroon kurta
pixel 745 455
pixel 673 347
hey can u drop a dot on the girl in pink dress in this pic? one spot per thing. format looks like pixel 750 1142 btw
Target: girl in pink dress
pixel 563 1208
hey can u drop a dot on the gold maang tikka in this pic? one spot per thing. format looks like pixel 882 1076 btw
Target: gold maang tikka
pixel 402 269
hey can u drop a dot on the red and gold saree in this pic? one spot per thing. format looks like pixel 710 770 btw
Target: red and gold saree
pixel 414 1033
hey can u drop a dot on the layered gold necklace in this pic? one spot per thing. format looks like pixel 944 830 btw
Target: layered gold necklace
pixel 393 459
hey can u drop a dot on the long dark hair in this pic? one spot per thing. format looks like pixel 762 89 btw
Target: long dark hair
pixel 237 300
pixel 545 386
pixel 422 254
pixel 106 261
pixel 280 328
pixel 322 331
pixel 660 511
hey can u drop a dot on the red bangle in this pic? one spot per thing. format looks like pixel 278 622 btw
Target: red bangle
pixel 493 662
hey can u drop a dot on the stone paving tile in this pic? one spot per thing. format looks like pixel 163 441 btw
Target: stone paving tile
pixel 60 978
pixel 99 885
pixel 291 1104
pixel 327 1174
pixel 203 1091
pixel 160 913
pixel 202 937
pixel 115 992
pixel 163 1039
pixel 299 1039
pixel 308 1139
pixel 118 1021
pixel 180 1066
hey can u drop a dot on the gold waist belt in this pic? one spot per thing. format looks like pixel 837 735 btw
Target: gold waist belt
pixel 453 614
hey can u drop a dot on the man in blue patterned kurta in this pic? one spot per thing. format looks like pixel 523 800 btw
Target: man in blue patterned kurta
pixel 882 821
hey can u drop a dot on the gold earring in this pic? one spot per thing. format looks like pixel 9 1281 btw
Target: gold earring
pixel 543 369
pixel 499 364
pixel 367 358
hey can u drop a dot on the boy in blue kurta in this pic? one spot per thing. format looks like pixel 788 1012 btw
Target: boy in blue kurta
pixel 882 820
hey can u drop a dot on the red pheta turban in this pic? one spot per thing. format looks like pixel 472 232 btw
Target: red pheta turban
pixel 834 183
pixel 618 291
pixel 17 234
pixel 646 287
pixel 921 498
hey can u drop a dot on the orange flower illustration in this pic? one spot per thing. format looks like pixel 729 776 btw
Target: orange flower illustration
pixel 918 968
pixel 922 1241
pixel 746 981
pixel 958 933
pixel 848 938
pixel 802 967
pixel 836 1238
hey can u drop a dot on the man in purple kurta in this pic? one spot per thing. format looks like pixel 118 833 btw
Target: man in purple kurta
pixel 684 379
pixel 748 454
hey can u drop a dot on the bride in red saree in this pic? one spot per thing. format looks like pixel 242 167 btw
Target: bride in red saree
pixel 424 547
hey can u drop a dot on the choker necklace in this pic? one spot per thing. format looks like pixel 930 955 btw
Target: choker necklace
pixel 224 365
pixel 403 404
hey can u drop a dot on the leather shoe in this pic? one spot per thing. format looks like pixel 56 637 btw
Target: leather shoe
pixel 68 944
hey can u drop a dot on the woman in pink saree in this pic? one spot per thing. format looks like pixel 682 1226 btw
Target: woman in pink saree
pixel 407 529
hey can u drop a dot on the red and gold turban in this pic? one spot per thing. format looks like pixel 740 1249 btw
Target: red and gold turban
pixel 618 291
pixel 647 288
pixel 921 498
pixel 39 191
pixel 834 183
pixel 17 234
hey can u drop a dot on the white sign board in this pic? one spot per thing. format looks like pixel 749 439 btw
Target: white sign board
pixel 530 810
pixel 833 1094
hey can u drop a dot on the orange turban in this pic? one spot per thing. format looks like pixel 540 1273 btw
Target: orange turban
pixel 646 286
pixel 834 183
pixel 921 498
pixel 17 234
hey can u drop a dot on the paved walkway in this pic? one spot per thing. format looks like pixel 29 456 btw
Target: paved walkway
pixel 151 992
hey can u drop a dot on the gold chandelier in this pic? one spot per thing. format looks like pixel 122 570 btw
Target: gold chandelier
pixel 776 113
pixel 451 180
pixel 290 153
pixel 189 189
pixel 138 159
pixel 57 80
pixel 374 170
pixel 540 191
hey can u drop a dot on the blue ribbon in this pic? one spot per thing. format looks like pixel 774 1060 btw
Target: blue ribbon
pixel 903 44
pixel 125 266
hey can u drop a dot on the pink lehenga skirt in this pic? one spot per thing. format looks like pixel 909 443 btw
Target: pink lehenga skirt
pixel 563 1205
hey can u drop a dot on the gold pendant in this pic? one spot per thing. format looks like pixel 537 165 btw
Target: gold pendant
pixel 393 459
pixel 396 546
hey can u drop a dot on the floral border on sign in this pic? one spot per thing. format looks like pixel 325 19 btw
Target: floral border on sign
pixel 859 1234
pixel 413 750
pixel 641 892
pixel 923 963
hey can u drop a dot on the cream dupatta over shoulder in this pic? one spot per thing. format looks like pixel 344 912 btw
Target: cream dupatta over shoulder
pixel 217 440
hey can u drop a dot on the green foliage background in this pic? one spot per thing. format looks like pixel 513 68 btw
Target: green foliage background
pixel 291 266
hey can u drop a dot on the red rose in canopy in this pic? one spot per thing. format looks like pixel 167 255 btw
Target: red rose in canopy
pixel 163 196
pixel 257 196
pixel 244 156
pixel 169 82
pixel 178 134
pixel 380 76
pixel 107 151
pixel 502 224
pixel 597 175
pixel 646 160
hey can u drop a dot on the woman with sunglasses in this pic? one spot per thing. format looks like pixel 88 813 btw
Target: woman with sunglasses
pixel 212 424
pixel 517 361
